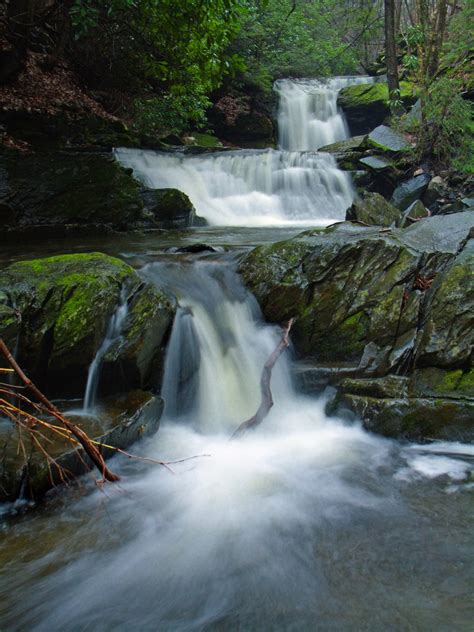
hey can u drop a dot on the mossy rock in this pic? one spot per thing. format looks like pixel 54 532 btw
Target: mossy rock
pixel 349 286
pixel 374 210
pixel 448 336
pixel 63 305
pixel 366 105
pixel 170 208
pixel 48 189
pixel 415 419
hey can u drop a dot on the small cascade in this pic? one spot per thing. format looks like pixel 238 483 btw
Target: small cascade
pixel 308 117
pixel 250 187
pixel 217 348
pixel 113 333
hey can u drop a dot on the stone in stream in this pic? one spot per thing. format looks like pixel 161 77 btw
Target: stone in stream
pixel 405 294
pixel 367 105
pixel 55 313
pixel 409 191
pixel 374 210
pixel 121 421
pixel 58 193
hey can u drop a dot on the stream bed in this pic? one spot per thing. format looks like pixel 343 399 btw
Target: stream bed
pixel 308 522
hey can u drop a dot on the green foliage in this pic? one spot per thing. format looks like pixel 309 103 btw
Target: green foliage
pixel 281 38
pixel 170 113
pixel 165 44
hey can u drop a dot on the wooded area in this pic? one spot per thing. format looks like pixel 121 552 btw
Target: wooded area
pixel 158 65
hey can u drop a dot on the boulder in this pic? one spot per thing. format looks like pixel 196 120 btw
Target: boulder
pixel 123 420
pixel 169 208
pixel 386 139
pixel 55 312
pixel 435 191
pixel 54 189
pixel 374 210
pixel 410 191
pixel 372 303
pixel 367 105
pixel 414 212
pixel 236 119
pixel 376 163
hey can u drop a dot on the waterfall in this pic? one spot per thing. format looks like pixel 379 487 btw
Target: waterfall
pixel 291 186
pixel 308 117
pixel 250 188
pixel 113 333
pixel 217 348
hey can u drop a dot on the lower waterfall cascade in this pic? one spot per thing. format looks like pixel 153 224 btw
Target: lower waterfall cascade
pixel 282 529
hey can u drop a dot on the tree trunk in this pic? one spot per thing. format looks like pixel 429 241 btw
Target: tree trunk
pixel 391 56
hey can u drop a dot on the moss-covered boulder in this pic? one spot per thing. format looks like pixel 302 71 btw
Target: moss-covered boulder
pixel 349 286
pixel 170 208
pixel 56 312
pixel 374 210
pixel 410 191
pixel 366 105
pixel 391 309
pixel 52 190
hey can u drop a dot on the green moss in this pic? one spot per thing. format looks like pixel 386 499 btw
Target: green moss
pixel 206 140
pixel 466 384
pixel 364 94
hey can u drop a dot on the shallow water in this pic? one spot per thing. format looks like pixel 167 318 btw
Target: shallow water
pixel 307 523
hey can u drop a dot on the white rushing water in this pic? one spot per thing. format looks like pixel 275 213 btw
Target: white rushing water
pixel 308 116
pixel 113 333
pixel 250 187
pixel 299 521
pixel 289 186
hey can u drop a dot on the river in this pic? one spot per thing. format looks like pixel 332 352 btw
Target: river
pixel 307 523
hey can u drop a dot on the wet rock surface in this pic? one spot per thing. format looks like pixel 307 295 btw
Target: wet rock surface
pixel 54 314
pixel 47 194
pixel 375 302
pixel 120 422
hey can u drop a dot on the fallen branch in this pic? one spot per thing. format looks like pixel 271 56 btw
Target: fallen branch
pixel 267 398
pixel 89 448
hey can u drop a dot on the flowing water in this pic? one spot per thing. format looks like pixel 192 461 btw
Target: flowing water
pixel 113 333
pixel 306 523
pixel 250 187
pixel 266 187
pixel 308 116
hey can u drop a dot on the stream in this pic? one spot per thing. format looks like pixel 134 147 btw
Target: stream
pixel 308 522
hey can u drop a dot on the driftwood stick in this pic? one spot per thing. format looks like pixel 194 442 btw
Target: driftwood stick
pixel 267 398
pixel 90 449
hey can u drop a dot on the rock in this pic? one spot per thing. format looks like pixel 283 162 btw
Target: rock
pixel 123 421
pixel 435 190
pixel 58 310
pixel 386 139
pixel 375 163
pixel 347 145
pixel 235 118
pixel 65 188
pixel 448 333
pixel 367 105
pixel 414 212
pixel 170 208
pixel 374 210
pixel 385 315
pixel 413 419
pixel 410 191
pixel 357 289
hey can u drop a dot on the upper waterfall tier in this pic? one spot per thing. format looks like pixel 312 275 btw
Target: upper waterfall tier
pixel 250 187
pixel 308 117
